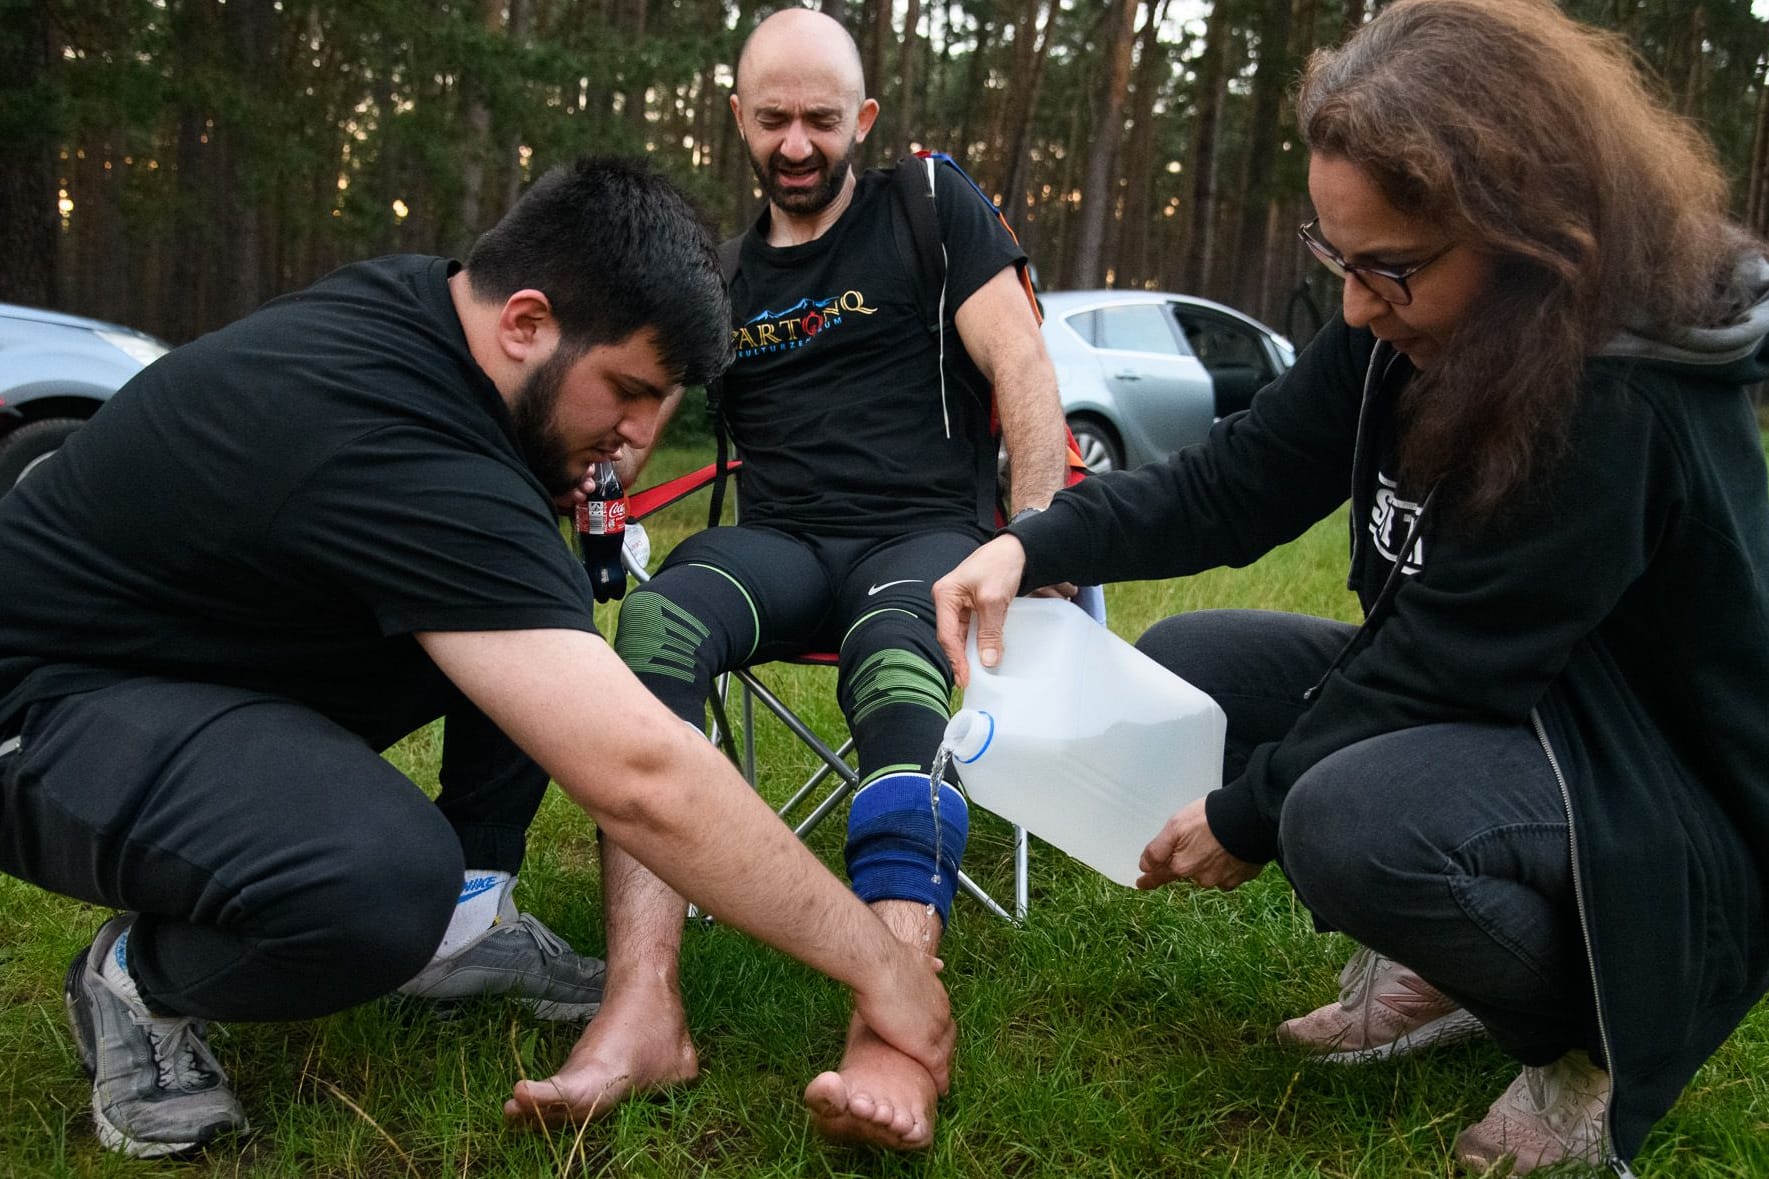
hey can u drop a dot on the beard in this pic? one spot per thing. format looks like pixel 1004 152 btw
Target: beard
pixel 818 196
pixel 532 419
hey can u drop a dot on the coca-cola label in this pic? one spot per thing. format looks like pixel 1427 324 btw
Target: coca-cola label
pixel 602 517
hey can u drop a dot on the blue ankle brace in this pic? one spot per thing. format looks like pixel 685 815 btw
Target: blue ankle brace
pixel 890 851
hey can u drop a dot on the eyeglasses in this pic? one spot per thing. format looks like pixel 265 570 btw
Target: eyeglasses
pixel 1388 285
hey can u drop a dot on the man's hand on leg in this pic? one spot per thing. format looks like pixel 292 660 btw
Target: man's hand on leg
pixel 878 1096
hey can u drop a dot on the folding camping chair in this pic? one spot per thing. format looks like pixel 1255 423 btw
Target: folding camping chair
pixel 919 243
pixel 751 689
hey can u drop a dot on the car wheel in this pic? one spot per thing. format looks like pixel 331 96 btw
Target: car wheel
pixel 1099 447
pixel 27 446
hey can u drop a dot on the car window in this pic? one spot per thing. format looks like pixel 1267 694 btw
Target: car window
pixel 1219 343
pixel 1085 325
pixel 1140 327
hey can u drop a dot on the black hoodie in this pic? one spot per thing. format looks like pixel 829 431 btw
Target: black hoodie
pixel 1621 611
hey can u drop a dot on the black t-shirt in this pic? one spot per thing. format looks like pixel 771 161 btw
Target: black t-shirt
pixel 280 505
pixel 834 398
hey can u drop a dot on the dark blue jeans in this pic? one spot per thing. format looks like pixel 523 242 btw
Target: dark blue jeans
pixel 1444 847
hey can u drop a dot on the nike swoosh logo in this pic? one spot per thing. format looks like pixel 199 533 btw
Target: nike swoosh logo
pixel 476 886
pixel 887 585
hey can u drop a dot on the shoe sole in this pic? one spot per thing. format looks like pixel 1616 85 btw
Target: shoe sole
pixel 1447 1029
pixel 558 1010
pixel 552 1010
pixel 85 1035
pixel 86 1038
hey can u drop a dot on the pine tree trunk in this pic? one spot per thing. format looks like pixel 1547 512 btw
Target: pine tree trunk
pixel 1098 192
pixel 908 122
pixel 30 221
pixel 1198 240
pixel 1273 74
pixel 1015 189
pixel 1756 208
pixel 1139 168
pixel 475 150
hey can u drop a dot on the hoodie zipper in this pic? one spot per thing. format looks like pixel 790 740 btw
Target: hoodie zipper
pixel 1382 358
pixel 1613 1160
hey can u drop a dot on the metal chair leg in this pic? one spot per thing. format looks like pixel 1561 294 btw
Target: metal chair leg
pixel 1022 874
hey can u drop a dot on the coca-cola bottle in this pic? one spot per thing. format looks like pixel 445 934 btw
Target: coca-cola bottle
pixel 601 528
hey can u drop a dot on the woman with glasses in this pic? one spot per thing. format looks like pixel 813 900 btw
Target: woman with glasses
pixel 1534 783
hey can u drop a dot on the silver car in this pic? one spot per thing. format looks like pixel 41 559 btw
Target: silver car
pixel 55 372
pixel 1143 373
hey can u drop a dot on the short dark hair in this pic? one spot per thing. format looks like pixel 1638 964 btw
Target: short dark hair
pixel 616 248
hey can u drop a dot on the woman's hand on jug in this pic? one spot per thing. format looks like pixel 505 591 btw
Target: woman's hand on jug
pixel 1187 850
pixel 982 586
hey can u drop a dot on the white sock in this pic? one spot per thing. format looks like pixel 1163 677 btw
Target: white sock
pixel 115 969
pixel 476 910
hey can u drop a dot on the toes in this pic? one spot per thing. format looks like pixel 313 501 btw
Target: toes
pixel 536 1102
pixel 545 1103
pixel 907 1125
pixel 868 1108
pixel 827 1095
pixel 845 1112
pixel 901 1121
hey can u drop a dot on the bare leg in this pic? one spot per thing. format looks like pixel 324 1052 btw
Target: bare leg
pixel 878 1096
pixel 639 1040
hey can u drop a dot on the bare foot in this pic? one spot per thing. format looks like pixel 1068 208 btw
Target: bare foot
pixel 628 1049
pixel 880 1097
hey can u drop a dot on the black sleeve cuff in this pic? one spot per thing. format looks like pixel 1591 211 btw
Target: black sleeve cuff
pixel 1238 825
pixel 1047 537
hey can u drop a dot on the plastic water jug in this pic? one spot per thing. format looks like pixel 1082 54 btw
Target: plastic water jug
pixel 1082 739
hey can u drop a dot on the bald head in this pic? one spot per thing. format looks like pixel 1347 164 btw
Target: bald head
pixel 806 48
pixel 802 110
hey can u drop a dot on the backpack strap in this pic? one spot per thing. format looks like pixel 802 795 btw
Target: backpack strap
pixel 915 222
pixel 918 236
pixel 730 251
pixel 923 250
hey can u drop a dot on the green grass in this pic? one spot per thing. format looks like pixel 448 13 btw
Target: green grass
pixel 1117 1034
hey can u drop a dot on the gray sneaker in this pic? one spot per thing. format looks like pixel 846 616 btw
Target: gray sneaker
pixel 156 1088
pixel 517 956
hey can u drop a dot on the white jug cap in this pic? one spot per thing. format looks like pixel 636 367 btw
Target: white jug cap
pixel 968 734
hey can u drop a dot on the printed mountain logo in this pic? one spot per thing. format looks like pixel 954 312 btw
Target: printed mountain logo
pixel 798 325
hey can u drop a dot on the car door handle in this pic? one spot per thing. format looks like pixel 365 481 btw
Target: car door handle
pixel 1127 374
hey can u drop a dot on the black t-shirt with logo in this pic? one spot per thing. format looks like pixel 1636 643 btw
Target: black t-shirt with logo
pixel 834 399
pixel 280 505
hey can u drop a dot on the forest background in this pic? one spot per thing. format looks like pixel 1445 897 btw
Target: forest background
pixel 170 164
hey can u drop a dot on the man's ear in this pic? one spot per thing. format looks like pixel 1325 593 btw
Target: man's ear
pixel 527 331
pixel 868 115
pixel 737 114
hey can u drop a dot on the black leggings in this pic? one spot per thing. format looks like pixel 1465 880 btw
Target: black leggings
pixel 282 869
pixel 729 597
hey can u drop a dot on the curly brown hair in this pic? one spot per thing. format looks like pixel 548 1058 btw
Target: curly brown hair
pixel 1537 140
